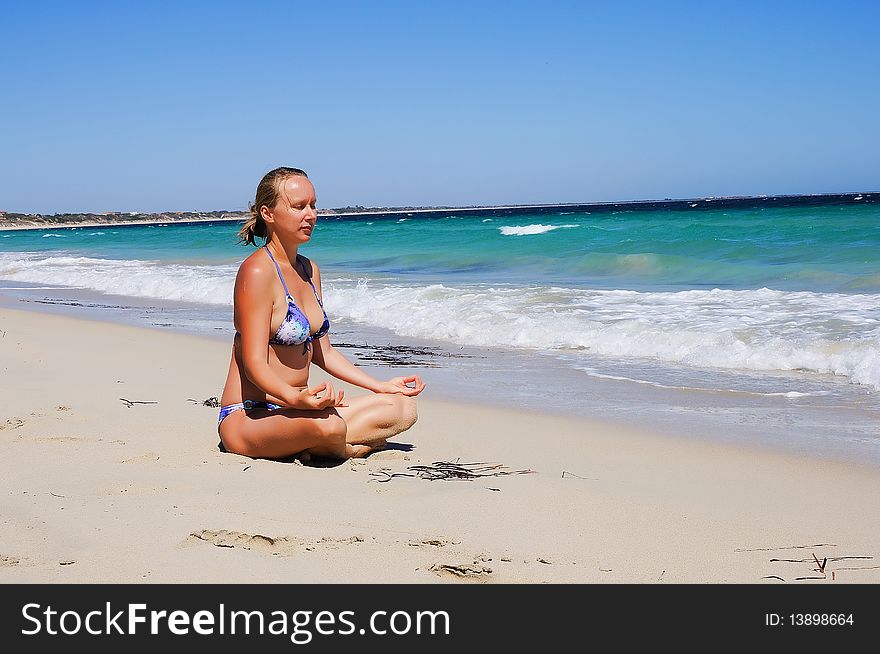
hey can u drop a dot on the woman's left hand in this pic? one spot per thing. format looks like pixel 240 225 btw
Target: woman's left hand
pixel 402 386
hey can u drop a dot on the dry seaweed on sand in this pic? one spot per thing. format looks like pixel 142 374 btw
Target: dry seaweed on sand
pixel 211 401
pixel 450 470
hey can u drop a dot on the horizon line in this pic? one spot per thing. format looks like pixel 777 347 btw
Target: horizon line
pixel 341 211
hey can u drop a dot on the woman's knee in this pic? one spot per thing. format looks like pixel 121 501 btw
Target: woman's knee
pixel 331 430
pixel 405 410
pixel 236 444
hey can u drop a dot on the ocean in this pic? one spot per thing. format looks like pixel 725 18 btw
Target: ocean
pixel 749 322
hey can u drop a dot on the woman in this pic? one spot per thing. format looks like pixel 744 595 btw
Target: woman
pixel 268 410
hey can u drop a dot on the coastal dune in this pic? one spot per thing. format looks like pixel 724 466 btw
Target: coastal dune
pixel 113 475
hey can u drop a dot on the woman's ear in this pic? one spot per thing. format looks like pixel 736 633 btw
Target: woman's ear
pixel 266 214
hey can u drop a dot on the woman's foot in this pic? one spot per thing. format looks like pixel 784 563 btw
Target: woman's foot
pixel 357 451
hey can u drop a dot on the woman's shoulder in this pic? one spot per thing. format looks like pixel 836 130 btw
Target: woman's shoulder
pixel 255 267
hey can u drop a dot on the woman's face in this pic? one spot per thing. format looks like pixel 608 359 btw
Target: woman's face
pixel 294 214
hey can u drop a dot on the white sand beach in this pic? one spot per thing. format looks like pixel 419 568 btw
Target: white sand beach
pixel 97 489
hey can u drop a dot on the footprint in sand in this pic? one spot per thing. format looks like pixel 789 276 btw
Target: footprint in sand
pixel 65 439
pixel 237 539
pixel 389 455
pixel 431 542
pixel 12 423
pixel 475 570
pixel 148 457
pixel 283 545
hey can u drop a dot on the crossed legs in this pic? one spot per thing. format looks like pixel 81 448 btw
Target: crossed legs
pixel 348 431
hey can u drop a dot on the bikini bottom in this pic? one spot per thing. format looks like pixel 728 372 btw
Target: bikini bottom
pixel 247 405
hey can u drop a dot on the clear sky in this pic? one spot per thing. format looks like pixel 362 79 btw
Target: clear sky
pixel 164 106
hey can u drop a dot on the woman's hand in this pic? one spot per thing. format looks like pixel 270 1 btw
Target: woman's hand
pixel 402 386
pixel 318 397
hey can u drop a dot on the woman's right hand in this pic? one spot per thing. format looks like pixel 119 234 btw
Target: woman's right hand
pixel 322 396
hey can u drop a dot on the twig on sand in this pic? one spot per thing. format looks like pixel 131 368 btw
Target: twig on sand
pixel 131 403
pixel 571 474
pixel 790 547
pixel 833 558
pixel 450 470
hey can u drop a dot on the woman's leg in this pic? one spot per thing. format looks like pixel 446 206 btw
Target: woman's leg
pixel 370 419
pixel 278 434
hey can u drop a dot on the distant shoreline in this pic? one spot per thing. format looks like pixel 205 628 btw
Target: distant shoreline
pixel 18 221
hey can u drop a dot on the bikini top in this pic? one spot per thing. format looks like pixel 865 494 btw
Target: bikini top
pixel 295 328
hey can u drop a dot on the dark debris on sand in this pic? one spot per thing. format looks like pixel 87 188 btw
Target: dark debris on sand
pixel 211 401
pixel 400 355
pixel 450 470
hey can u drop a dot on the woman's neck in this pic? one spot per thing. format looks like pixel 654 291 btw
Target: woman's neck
pixel 280 252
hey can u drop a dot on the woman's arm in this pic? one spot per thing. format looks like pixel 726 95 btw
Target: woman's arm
pixel 328 358
pixel 252 316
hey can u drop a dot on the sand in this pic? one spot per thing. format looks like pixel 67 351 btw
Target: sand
pixel 96 489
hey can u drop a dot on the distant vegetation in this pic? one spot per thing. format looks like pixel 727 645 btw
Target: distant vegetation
pixel 12 220
pixel 8 219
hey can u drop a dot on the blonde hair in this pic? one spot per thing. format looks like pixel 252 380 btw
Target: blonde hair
pixel 268 191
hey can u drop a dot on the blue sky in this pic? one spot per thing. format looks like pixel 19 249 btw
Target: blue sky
pixel 111 106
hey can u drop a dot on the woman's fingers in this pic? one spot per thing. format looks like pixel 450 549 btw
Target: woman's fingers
pixel 329 398
pixel 417 384
pixel 313 399
pixel 314 390
pixel 324 396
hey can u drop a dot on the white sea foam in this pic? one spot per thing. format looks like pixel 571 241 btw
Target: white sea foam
pixel 179 282
pixel 508 230
pixel 762 329
pixel 745 330
pixel 788 394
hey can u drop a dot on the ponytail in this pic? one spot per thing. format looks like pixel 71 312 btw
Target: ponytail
pixel 254 227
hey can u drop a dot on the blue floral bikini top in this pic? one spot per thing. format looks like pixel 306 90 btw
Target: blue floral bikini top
pixel 295 328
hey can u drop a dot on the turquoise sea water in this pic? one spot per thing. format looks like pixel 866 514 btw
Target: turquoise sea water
pixel 764 302
pixel 826 249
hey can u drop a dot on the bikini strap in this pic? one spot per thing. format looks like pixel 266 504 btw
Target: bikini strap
pixel 278 268
pixel 316 296
pixel 308 271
